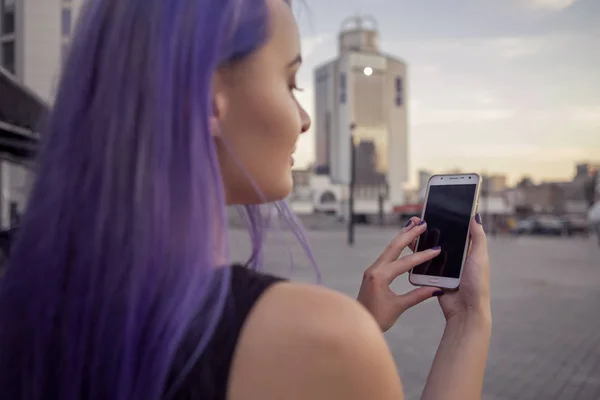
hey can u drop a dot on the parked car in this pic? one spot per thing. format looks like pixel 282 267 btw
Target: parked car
pixel 594 219
pixel 576 226
pixel 541 225
pixel 524 226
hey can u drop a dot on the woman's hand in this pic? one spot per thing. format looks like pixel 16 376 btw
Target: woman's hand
pixel 375 293
pixel 472 299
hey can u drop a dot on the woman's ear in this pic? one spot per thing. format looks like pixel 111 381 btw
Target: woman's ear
pixel 218 105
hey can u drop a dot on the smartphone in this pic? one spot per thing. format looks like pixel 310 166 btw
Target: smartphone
pixel 450 203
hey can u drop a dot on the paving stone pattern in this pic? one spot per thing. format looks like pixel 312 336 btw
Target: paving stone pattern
pixel 545 304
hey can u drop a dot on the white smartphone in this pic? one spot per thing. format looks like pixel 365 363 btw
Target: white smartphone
pixel 450 203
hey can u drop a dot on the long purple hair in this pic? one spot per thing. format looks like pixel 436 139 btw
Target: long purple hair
pixel 121 246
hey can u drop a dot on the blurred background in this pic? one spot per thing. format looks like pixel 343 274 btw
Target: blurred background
pixel 398 91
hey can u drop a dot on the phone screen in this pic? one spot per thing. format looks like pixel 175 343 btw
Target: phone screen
pixel 448 214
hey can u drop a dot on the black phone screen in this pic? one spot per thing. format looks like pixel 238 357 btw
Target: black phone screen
pixel 448 214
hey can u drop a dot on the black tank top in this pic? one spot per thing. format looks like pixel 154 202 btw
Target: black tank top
pixel 209 377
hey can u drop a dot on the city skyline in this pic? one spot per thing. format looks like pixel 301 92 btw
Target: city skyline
pixel 507 89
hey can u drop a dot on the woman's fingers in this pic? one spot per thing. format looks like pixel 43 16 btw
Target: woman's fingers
pixel 405 264
pixel 413 246
pixel 415 221
pixel 400 242
pixel 478 240
pixel 417 296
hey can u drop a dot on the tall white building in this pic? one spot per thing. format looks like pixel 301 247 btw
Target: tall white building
pixel 34 37
pixel 365 88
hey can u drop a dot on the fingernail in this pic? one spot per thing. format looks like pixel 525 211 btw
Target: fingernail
pixel 422 223
pixel 436 248
pixel 438 293
pixel 409 223
pixel 478 219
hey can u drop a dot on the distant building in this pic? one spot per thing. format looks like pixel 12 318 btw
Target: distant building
pixel 547 197
pixel 424 177
pixel 587 177
pixel 20 112
pixel 34 39
pixel 413 196
pixel 493 184
pixel 585 170
pixel 367 88
pixel 302 185
pixel 567 197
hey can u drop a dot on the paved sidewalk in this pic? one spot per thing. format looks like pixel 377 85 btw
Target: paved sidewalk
pixel 546 310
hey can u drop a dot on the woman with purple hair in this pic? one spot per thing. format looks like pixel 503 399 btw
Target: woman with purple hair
pixel 120 285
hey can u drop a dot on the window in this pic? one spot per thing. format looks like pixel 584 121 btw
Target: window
pixel 7 10
pixel 322 76
pixel 328 198
pixel 343 88
pixel 66 21
pixel 8 56
pixel 8 5
pixel 399 90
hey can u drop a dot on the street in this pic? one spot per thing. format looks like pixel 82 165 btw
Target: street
pixel 545 305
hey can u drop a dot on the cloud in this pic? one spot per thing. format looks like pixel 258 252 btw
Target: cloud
pixel 575 116
pixel 310 44
pixel 427 52
pixel 514 46
pixel 426 70
pixel 589 114
pixel 516 151
pixel 423 116
pixel 552 5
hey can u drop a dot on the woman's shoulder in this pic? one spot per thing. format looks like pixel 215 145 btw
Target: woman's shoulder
pixel 313 342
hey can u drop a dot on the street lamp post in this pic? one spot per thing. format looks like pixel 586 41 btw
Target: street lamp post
pixel 380 203
pixel 351 187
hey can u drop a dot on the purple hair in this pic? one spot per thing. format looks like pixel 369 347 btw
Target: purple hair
pixel 116 253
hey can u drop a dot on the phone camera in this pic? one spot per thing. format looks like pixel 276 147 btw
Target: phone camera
pixel 469 177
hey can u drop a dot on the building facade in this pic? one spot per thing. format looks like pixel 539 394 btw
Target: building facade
pixel 34 39
pixel 366 89
pixel 494 184
pixel 573 197
pixel 20 112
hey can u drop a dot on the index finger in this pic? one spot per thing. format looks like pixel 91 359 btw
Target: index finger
pixel 405 264
pixel 400 241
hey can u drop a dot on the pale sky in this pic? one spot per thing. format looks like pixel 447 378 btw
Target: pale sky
pixel 496 86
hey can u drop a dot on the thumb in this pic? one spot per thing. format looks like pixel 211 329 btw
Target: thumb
pixel 478 239
pixel 416 296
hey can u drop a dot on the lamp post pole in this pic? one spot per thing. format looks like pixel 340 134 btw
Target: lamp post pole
pixel 351 187
pixel 380 201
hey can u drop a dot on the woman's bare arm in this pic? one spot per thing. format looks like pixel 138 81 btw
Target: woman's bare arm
pixel 459 365
pixel 307 342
